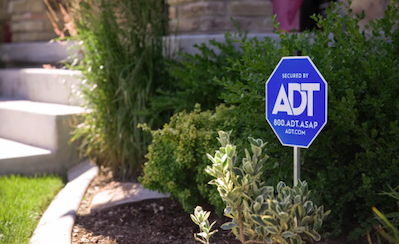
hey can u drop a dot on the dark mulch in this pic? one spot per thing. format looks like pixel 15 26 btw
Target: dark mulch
pixel 147 222
pixel 158 221
pixel 151 221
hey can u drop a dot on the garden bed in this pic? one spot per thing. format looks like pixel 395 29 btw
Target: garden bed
pixel 149 221
pixel 157 221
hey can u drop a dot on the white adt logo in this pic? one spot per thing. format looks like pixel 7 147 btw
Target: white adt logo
pixel 285 103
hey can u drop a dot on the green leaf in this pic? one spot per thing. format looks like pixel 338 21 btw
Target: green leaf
pixel 287 234
pixel 258 220
pixel 211 158
pixel 284 216
pixel 256 207
pixel 297 199
pixel 280 186
pixel 269 220
pixel 308 205
pixel 272 230
pixel 327 213
pixel 194 219
pixel 317 224
pixel 299 210
pixel 257 151
pixel 296 240
pixel 313 234
pixel 259 199
pixel 228 226
pixel 268 240
pixel 307 220
pixel 228 210
pixel 299 229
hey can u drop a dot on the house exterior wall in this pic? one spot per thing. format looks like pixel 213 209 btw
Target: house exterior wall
pixel 29 21
pixel 213 16
pixel 374 9
pixel 29 18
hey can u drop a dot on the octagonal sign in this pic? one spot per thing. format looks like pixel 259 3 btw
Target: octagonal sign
pixel 296 101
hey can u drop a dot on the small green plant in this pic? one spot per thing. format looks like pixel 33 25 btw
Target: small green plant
pixel 200 217
pixel 390 222
pixel 258 214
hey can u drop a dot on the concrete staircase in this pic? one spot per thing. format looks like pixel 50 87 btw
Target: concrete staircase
pixel 37 110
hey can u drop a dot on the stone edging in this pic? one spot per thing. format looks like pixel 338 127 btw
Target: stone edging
pixel 57 222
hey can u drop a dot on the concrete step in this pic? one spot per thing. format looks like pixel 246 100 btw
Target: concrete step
pixel 37 124
pixel 19 158
pixel 41 85
pixel 37 52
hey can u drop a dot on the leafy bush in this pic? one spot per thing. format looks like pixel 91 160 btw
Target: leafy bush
pixel 177 155
pixel 258 215
pixel 122 66
pixel 193 75
pixel 356 154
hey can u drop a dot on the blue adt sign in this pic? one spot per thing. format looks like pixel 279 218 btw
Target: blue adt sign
pixel 296 101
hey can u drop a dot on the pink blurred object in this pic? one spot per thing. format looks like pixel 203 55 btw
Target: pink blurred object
pixel 287 12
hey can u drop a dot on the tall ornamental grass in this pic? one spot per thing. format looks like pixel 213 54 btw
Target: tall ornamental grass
pixel 122 65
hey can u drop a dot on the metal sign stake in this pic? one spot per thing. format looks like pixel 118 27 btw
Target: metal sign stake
pixel 297 152
pixel 297 165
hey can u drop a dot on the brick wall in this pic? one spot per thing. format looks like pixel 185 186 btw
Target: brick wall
pixel 29 21
pixel 213 16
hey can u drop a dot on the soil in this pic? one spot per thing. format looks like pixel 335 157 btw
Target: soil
pixel 157 221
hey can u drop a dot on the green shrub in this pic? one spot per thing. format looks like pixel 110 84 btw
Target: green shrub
pixel 122 66
pixel 356 155
pixel 193 75
pixel 177 155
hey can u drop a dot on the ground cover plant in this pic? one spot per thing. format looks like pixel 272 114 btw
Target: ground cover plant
pixel 122 65
pixel 22 202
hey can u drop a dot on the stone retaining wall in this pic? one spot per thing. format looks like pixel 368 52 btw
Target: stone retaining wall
pixel 213 16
